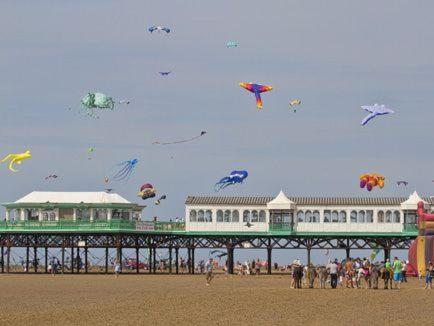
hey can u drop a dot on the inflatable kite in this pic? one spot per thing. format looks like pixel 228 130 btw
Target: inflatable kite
pixel 233 178
pixel 232 44
pixel 147 191
pixel 99 101
pixel 371 181
pixel 202 133
pixel 159 29
pixel 375 110
pixel 294 103
pixel 257 90
pixel 16 159
pixel 125 171
pixel 158 201
pixel 402 182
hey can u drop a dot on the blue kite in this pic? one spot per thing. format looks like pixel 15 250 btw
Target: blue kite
pixel 233 178
pixel 126 170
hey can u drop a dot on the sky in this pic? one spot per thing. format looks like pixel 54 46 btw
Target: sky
pixel 335 56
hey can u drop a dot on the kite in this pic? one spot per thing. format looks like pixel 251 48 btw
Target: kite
pixel 375 110
pixel 98 101
pixel 219 253
pixel 90 150
pixel 127 168
pixel 295 103
pixel 108 190
pixel 164 73
pixel 159 29
pixel 233 178
pixel 248 224
pixel 402 182
pixel 371 180
pixel 147 191
pixel 257 90
pixel 51 176
pixel 17 158
pixel 374 253
pixel 158 201
pixel 202 133
pixel 232 44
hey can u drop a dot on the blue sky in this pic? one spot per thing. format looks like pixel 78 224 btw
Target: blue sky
pixel 334 55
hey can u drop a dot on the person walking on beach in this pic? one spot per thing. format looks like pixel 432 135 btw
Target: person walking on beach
pixel 349 271
pixel 209 267
pixel 118 268
pixel 332 269
pixel 429 276
pixel 397 270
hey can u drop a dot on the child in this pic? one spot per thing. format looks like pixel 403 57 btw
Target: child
pixel 429 275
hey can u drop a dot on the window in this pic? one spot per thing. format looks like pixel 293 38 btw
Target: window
pixel 327 216
pixel 32 214
pixel 45 216
pixel 246 216
pixel 342 217
pixel 380 216
pixel 308 217
pixel 49 216
pixel 125 214
pixel 315 217
pixel 101 214
pixel 235 216
pixel 227 216
pixel 361 217
pixel 410 217
pixel 82 214
pixel 193 216
pixel 219 215
pixel 300 216
pixel 208 216
pixel 388 217
pixel 255 217
pixel 201 216
pixel 369 216
pixel 335 217
pixel 396 217
pixel 353 217
pixel 262 216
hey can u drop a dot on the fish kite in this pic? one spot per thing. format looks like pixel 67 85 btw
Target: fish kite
pixel 92 101
pixel 164 73
pixel 159 29
pixel 371 180
pixel 375 110
pixel 232 44
pixel 202 133
pixel 402 182
pixel 147 191
pixel 233 178
pixel 295 103
pixel 158 201
pixel 17 158
pixel 257 89
pixel 125 171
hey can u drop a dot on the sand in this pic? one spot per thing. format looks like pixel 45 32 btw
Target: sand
pixel 184 299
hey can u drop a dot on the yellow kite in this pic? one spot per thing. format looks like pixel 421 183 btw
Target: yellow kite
pixel 16 159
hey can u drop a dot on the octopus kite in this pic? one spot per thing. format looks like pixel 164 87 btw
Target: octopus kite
pixel 402 182
pixel 16 159
pixel 99 101
pixel 257 89
pixel 371 180
pixel 375 110
pixel 233 178
pixel 147 191
pixel 127 168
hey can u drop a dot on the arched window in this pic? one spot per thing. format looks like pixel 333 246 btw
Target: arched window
pixel 193 215
pixel 201 216
pixel 308 217
pixel 208 216
pixel 335 217
pixel 246 216
pixel 342 217
pixel 227 216
pixel 380 216
pixel 396 217
pixel 101 214
pixel 262 216
pixel 235 216
pixel 52 216
pixel 327 216
pixel 369 216
pixel 45 216
pixel 255 216
pixel 361 217
pixel 219 215
pixel 388 217
pixel 300 216
pixel 82 214
pixel 353 217
pixel 315 217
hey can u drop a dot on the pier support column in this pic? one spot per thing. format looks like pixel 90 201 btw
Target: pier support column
pixel 8 259
pixel 72 259
pixel 35 259
pixel 177 260
pixel 137 260
pixel 308 255
pixel 230 260
pixel 386 254
pixel 78 260
pixel 154 260
pixel 27 259
pixel 46 260
pixel 63 258
pixel 106 259
pixel 347 253
pixel 269 260
pixel 188 261
pixel 85 260
pixel 170 260
pixel 192 260
pixel 150 260
pixel 2 253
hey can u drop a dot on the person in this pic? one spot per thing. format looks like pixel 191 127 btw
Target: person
pixel 349 271
pixel 209 267
pixel 118 268
pixel 332 269
pixel 429 276
pixel 397 270
pixel 404 271
pixel 53 265
pixel 257 267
